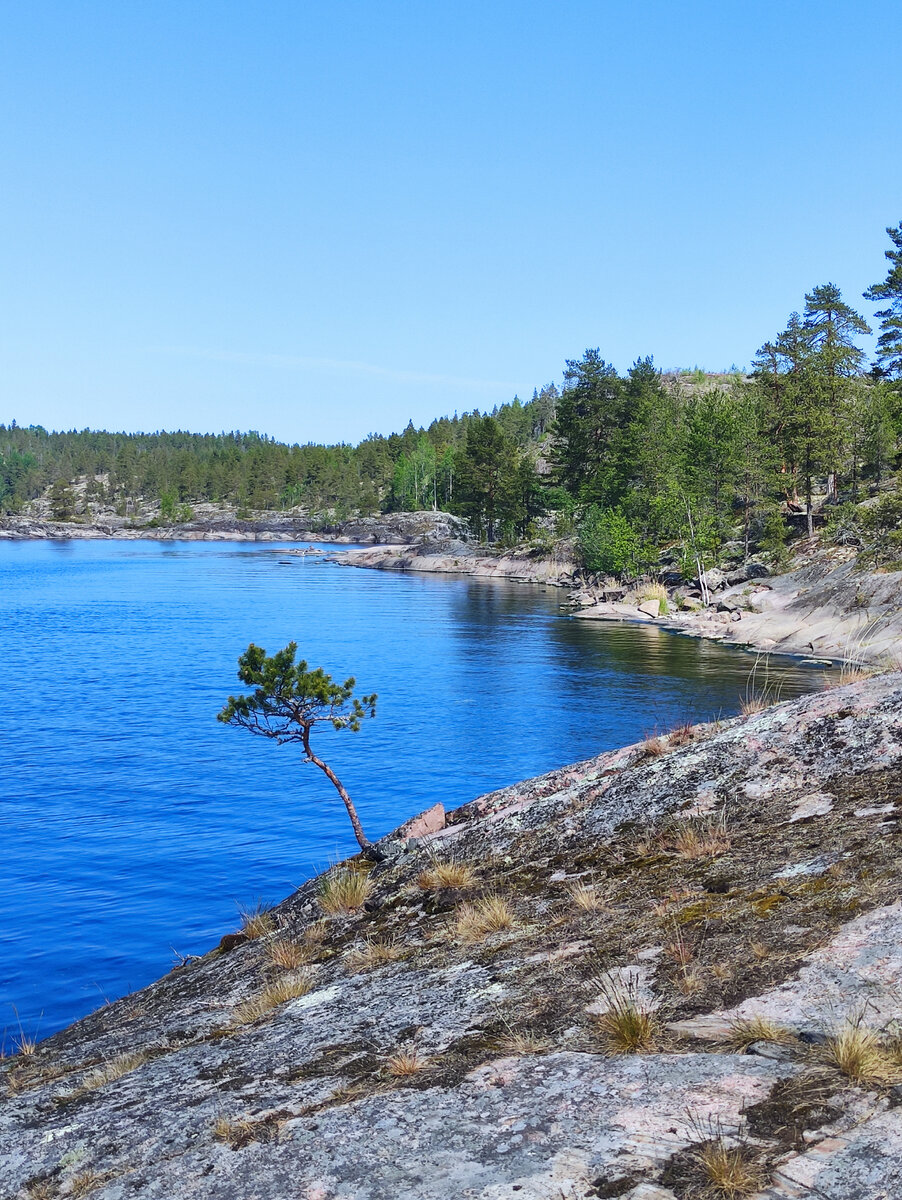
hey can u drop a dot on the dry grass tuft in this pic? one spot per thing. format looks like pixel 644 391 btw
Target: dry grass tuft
pixel 681 735
pixel 851 673
pixel 228 1131
pixel 760 951
pixel 585 896
pixel 750 705
pixel 729 1171
pixel 690 981
pixel 344 890
pixel 108 1072
pixel 652 591
pixel 316 934
pixel 697 841
pixel 630 1026
pixel 85 1182
pixel 374 952
pixel 864 1056
pixel 288 987
pixel 258 921
pixel 745 1031
pixel 447 874
pixel 473 922
pixel 679 950
pixel 288 955
pixel 41 1189
pixel 654 747
pixel 404 1063
pixel 522 1041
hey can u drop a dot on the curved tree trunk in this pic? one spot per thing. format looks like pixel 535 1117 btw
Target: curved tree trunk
pixel 365 844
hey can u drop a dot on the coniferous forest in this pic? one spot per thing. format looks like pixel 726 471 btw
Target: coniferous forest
pixel 626 463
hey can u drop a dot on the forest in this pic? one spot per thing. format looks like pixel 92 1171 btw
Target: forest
pixel 628 464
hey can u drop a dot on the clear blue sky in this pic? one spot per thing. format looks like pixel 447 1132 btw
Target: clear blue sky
pixel 321 219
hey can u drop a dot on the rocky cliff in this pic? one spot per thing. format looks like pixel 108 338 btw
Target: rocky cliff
pixel 674 970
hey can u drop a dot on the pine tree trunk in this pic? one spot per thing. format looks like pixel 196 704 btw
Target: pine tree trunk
pixel 363 841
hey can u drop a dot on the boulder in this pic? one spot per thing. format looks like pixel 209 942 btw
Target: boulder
pixel 651 608
pixel 430 821
pixel 749 570
pixel 715 579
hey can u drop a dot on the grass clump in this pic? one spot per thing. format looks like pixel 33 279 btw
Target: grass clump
pixel 404 1063
pixel 864 1056
pixel 258 921
pixel 287 955
pixel 630 1025
pixel 697 841
pixel 745 1031
pixel 85 1182
pixel 108 1072
pixel 40 1189
pixel 729 1171
pixel 475 921
pixel 344 890
pixel 654 746
pixel 374 952
pixel 288 987
pixel 521 1041
pixel 447 874
pixel 585 896
pixel 682 734
pixel 232 1132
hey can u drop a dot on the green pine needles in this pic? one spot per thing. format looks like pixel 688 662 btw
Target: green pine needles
pixel 288 700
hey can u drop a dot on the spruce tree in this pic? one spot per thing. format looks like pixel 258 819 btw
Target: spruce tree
pixel 591 416
pixel 889 343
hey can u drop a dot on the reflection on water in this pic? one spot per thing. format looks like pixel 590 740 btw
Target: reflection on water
pixel 133 822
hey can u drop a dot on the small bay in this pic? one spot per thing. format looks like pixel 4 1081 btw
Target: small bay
pixel 134 824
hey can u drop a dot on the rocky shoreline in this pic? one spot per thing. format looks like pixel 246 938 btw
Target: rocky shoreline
pixel 825 609
pixel 590 984
pixel 211 524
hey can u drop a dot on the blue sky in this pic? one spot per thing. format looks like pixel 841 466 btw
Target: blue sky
pixel 320 219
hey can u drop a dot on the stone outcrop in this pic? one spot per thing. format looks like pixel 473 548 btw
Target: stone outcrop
pixel 211 523
pixel 458 1036
pixel 826 609
pixel 459 558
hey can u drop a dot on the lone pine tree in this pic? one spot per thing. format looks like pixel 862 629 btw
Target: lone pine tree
pixel 288 700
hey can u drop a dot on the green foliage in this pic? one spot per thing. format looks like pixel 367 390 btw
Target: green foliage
pixel 844 526
pixel 882 523
pixel 608 543
pixel 497 488
pixel 889 343
pixel 62 501
pixel 592 416
pixel 773 532
pixel 288 699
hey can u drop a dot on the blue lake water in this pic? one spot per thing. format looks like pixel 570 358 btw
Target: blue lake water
pixel 134 824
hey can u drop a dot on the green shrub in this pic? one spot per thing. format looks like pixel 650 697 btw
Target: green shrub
pixel 609 544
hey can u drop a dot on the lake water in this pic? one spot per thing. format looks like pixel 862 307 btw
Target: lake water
pixel 134 824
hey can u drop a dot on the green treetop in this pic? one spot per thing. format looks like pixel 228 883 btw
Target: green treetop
pixel 889 343
pixel 288 700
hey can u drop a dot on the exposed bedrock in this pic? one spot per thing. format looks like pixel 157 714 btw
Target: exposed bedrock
pixel 578 986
